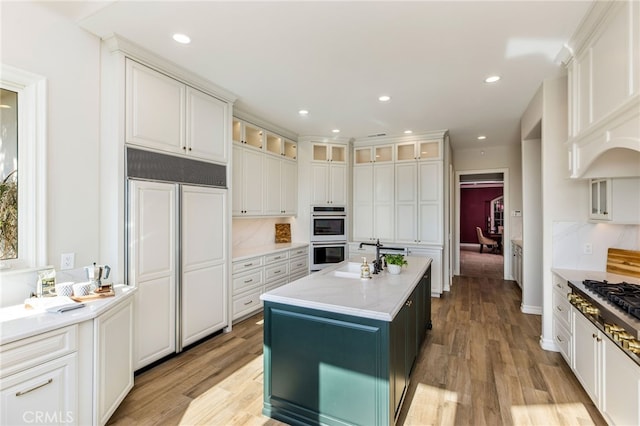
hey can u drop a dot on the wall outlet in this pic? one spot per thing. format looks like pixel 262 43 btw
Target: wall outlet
pixel 588 249
pixel 67 261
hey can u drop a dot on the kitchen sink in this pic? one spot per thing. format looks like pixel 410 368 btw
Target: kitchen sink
pixel 349 270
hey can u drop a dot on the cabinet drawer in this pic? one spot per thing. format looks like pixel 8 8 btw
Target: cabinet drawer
pixel 25 353
pixel 276 272
pixel 246 281
pixel 302 251
pixel 298 265
pixel 243 305
pixel 561 286
pixel 563 339
pixel 49 389
pixel 276 257
pixel 245 265
pixel 562 309
pixel 276 284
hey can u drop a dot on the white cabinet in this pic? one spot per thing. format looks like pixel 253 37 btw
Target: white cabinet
pixel 615 200
pixel 329 174
pixel 373 202
pixel 280 146
pixel 202 283
pixel 280 186
pixel 247 182
pixel 38 377
pixel 167 115
pixel 562 318
pixel 608 375
pixel 418 150
pixel 516 263
pixel 113 359
pixel 256 275
pixel 604 87
pixel 587 344
pixel 247 134
pixel 419 212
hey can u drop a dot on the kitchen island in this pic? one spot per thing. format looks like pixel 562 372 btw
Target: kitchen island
pixel 340 350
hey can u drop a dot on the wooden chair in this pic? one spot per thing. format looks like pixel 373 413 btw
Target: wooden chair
pixel 493 244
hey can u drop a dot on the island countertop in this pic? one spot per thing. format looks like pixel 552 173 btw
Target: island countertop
pixel 379 298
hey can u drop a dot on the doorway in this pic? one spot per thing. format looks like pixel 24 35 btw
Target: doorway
pixel 481 202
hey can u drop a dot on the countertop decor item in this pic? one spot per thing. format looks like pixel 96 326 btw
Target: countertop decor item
pixel 283 233
pixel 395 262
pixel 625 262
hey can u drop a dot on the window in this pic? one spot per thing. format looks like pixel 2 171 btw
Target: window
pixel 22 169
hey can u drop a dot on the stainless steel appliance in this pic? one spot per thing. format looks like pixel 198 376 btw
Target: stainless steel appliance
pixel 324 254
pixel 95 274
pixel 613 308
pixel 328 223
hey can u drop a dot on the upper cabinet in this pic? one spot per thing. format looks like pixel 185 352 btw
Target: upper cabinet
pixel 328 174
pixel 604 92
pixel 615 201
pixel 265 172
pixel 418 150
pixel 165 114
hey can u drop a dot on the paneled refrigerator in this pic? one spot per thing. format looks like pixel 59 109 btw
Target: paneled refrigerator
pixel 178 261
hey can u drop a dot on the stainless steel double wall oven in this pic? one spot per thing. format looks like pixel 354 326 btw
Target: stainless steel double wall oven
pixel 328 236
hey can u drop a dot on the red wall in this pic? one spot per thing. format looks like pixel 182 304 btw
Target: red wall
pixel 474 210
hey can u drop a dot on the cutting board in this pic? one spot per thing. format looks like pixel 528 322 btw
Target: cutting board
pixel 283 233
pixel 623 262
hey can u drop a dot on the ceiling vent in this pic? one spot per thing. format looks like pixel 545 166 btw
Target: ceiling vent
pixel 377 135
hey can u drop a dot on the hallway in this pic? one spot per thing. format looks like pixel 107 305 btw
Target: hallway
pixel 476 264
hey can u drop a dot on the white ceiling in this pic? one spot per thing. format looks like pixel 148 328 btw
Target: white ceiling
pixel 335 58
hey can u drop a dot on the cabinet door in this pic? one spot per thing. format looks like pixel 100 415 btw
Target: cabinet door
pixel 621 386
pixel 207 126
pixel 155 109
pixel 586 355
pixel 271 182
pixel 289 187
pixel 203 291
pixel 383 201
pixel 113 359
pixel 237 193
pixel 152 208
pixel 319 183
pixel 430 213
pixel 50 389
pixel 363 203
pixel 406 191
pixel 252 163
pixel 338 184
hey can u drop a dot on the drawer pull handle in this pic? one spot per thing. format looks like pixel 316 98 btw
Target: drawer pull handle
pixel 277 257
pixel 248 303
pixel 248 281
pixel 20 393
pixel 559 308
pixel 559 339
pixel 558 285
pixel 248 264
pixel 278 271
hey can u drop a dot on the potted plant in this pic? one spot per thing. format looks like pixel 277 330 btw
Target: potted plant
pixel 395 262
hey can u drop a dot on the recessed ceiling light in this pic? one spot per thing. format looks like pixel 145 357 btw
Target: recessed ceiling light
pixel 481 138
pixel 408 132
pixel 182 38
pixel 336 130
pixel 492 79
pixel 303 112
pixel 384 98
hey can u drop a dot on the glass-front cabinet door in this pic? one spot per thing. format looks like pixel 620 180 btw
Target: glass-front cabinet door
pixel 600 199
pixel 418 150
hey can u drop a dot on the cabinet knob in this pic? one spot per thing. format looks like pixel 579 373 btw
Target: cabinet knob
pixel 559 339
pixel 189 148
pixel 184 147
pixel 594 335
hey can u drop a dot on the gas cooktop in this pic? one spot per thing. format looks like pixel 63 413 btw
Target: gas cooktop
pixel 624 295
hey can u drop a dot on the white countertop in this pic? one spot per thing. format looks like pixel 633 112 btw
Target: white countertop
pixel 18 322
pixel 579 275
pixel 247 252
pixel 379 298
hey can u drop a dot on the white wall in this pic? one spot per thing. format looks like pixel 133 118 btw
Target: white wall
pixel 38 40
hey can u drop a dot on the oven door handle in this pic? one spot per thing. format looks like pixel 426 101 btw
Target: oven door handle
pixel 327 244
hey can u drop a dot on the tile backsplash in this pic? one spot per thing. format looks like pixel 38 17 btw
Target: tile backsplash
pixel 570 238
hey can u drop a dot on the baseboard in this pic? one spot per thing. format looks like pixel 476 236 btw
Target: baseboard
pixel 548 345
pixel 527 309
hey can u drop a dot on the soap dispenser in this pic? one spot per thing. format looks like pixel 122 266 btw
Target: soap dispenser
pixel 365 272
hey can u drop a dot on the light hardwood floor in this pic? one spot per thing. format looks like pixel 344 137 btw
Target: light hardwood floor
pixel 480 365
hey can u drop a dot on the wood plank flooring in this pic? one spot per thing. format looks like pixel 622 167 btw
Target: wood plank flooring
pixel 480 365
